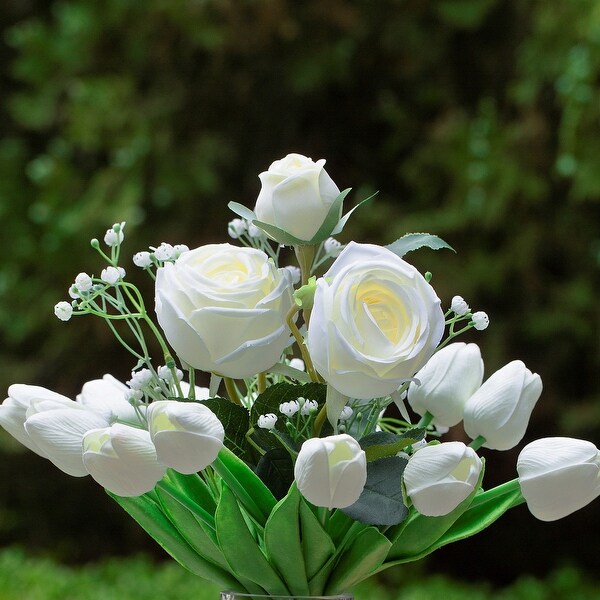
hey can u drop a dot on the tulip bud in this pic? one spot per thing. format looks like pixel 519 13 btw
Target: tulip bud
pixel 447 381
pixel 438 478
pixel 558 476
pixel 331 471
pixel 187 436
pixel 500 409
pixel 122 459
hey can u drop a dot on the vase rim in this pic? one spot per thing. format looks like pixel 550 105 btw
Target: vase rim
pixel 230 595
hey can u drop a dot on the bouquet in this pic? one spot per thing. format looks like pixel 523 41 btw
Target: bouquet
pixel 288 475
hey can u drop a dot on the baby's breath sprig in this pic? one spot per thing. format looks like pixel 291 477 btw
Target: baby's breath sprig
pixel 460 312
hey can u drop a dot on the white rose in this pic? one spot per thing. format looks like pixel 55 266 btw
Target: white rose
pixel 558 476
pixel 375 322
pixel 296 196
pixel 438 478
pixel 500 409
pixel 450 377
pixel 223 309
pixel 331 471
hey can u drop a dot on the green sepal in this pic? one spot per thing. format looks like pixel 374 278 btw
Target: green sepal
pixel 383 443
pixel 381 501
pixel 363 557
pixel 283 543
pixel 148 514
pixel 332 219
pixel 342 222
pixel 413 241
pixel 239 547
pixel 242 211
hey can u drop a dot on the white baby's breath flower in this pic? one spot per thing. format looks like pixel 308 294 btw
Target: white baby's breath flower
pixel 142 259
pixel 332 247
pixel 179 249
pixel 114 236
pixel 295 273
pixel 236 227
pixel 165 373
pixel 254 231
pixel 297 363
pixel 267 421
pixel 289 409
pixel 308 407
pixel 63 310
pixel 133 396
pixel 164 252
pixel 111 275
pixel 140 379
pixel 346 413
pixel 83 282
pixel 459 306
pixel 480 320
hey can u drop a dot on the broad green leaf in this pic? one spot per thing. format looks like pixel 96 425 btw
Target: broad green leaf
pixel 191 530
pixel 342 222
pixel 420 532
pixel 195 488
pixel 276 470
pixel 251 492
pixel 382 443
pixel 414 241
pixel 242 211
pixel 239 547
pixel 236 422
pixel 338 525
pixel 151 518
pixel 364 556
pixel 317 546
pixel 284 545
pixel 381 501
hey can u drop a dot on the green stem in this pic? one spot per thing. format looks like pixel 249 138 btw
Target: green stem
pixel 262 382
pixel 503 489
pixel 188 503
pixel 232 391
pixel 320 420
pixel 308 364
pixel 477 442
pixel 425 420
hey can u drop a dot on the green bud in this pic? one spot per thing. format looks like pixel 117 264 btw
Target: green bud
pixel 428 276
pixel 95 244
pixel 305 295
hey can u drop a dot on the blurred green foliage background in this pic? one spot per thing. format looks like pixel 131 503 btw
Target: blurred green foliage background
pixel 476 120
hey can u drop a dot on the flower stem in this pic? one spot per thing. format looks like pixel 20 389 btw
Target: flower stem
pixel 477 442
pixel 262 382
pixel 425 420
pixel 310 369
pixel 232 391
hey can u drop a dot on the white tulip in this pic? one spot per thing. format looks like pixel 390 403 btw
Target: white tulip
pixel 558 476
pixel 223 309
pixel 500 409
pixel 122 459
pixel 107 396
pixel 375 322
pixel 438 478
pixel 296 196
pixel 331 471
pixel 450 377
pixel 187 436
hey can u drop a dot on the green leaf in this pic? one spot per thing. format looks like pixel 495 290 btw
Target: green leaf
pixel 381 501
pixel 276 470
pixel 419 532
pixel 242 211
pixel 150 517
pixel 239 547
pixel 342 222
pixel 363 557
pixel 279 235
pixel 284 545
pixel 331 220
pixel 195 488
pixel 252 493
pixel 236 422
pixel 382 443
pixel 338 525
pixel 414 241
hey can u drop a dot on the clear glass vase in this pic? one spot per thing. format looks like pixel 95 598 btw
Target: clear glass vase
pixel 238 596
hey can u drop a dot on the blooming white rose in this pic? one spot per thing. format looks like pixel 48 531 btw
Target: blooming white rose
pixel 223 309
pixel 122 459
pixel 331 471
pixel 296 196
pixel 187 436
pixel 375 322
pixel 558 476
pixel 450 377
pixel 438 478
pixel 500 409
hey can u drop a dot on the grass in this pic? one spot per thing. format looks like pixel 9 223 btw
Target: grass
pixel 27 578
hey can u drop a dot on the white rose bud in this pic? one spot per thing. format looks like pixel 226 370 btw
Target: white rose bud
pixel 438 478
pixel 500 409
pixel 375 322
pixel 331 471
pixel 223 309
pixel 122 459
pixel 296 196
pixel 450 377
pixel 558 476
pixel 187 436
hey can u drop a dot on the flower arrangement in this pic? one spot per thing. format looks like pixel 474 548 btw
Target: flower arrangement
pixel 286 476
